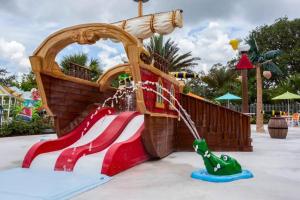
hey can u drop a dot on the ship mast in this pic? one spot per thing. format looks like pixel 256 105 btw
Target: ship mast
pixel 140 6
pixel 140 10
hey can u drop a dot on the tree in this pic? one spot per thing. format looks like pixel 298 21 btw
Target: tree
pixel 6 79
pixel 28 82
pixel 170 51
pixel 216 82
pixel 291 84
pixel 284 34
pixel 261 60
pixel 95 69
pixel 82 59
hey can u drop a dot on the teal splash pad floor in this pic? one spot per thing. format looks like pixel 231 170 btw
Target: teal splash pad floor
pixel 28 184
pixel 204 176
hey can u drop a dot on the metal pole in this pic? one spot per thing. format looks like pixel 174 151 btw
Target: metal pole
pixel 9 102
pixel 288 112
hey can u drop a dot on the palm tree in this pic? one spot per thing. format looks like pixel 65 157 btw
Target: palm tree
pixel 265 60
pixel 219 80
pixel 82 59
pixel 170 52
pixel 94 66
pixel 291 84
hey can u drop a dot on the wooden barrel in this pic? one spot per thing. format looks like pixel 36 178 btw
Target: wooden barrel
pixel 278 127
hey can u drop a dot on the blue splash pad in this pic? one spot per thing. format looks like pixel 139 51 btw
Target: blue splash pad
pixel 203 175
pixel 29 184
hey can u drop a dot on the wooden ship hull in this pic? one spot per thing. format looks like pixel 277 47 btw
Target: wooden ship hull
pixel 69 97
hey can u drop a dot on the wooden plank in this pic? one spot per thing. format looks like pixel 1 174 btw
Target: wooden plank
pixel 223 129
pixel 68 99
pixel 158 135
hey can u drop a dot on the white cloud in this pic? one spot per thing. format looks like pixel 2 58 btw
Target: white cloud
pixel 14 54
pixel 30 23
pixel 106 48
pixel 108 60
pixel 210 43
pixel 110 53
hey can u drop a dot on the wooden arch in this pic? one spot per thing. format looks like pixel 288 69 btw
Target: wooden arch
pixel 82 34
pixel 43 59
pixel 109 75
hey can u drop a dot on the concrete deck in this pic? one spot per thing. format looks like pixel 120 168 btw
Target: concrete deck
pixel 275 164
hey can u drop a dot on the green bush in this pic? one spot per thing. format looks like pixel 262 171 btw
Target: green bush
pixel 19 127
pixel 266 119
pixel 253 120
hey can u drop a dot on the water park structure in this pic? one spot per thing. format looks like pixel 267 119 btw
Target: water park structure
pixel 149 107
pixel 160 112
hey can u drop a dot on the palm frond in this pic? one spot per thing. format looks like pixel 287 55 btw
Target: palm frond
pixel 271 66
pixel 169 50
pixel 82 59
pixel 78 58
pixel 271 54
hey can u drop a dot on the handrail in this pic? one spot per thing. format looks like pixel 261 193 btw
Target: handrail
pixel 78 71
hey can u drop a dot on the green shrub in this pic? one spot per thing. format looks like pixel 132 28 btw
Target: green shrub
pixel 19 127
pixel 186 89
pixel 266 119
pixel 253 119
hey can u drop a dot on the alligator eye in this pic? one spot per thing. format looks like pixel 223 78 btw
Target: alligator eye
pixel 225 158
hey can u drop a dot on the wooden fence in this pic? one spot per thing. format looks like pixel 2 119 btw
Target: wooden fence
pixel 223 129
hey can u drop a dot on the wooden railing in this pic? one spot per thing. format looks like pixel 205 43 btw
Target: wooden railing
pixel 78 71
pixel 160 63
pixel 223 129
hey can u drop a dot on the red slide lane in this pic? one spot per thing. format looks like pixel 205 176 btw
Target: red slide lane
pixel 124 155
pixel 68 158
pixel 68 139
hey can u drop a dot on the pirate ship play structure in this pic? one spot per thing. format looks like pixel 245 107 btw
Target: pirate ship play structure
pixel 88 132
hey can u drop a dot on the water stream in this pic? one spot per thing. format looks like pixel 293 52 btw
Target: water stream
pixel 129 90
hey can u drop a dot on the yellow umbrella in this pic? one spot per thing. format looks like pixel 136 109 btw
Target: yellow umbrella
pixel 287 96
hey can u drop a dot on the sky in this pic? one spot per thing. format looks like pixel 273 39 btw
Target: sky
pixel 208 26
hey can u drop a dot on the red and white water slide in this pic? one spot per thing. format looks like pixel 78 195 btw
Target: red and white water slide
pixel 102 143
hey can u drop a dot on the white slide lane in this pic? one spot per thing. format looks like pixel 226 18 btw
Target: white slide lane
pixel 92 164
pixel 47 161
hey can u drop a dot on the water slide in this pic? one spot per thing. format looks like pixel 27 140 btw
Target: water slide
pixel 109 144
pixel 63 142
pixel 114 157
